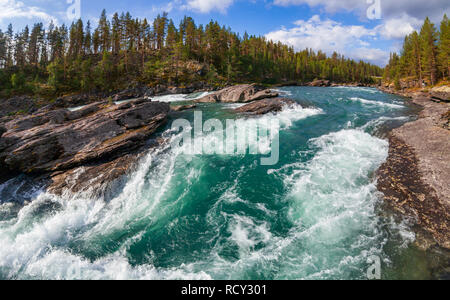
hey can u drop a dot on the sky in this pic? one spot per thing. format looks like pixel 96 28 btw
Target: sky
pixel 360 29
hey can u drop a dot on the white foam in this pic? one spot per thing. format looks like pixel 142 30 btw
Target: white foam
pixel 332 201
pixel 382 120
pixel 77 108
pixel 246 234
pixel 377 103
pixel 37 248
pixel 282 92
pixel 359 89
pixel 291 114
pixel 180 97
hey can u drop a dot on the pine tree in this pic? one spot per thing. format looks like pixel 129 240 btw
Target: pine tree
pixel 428 37
pixel 444 47
pixel 104 32
pixel 126 49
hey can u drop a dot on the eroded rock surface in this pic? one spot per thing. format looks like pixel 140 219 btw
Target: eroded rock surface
pixel 60 140
pixel 320 83
pixel 183 107
pixel 22 104
pixel 265 106
pixel 239 94
pixel 415 178
pixel 441 93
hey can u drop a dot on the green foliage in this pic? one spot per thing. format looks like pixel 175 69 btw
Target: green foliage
pixel 397 83
pixel 104 72
pixel 17 81
pixel 425 56
pixel 55 75
pixel 124 50
pixel 444 47
pixel 5 82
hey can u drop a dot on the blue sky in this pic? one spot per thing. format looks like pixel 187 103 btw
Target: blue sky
pixel 360 29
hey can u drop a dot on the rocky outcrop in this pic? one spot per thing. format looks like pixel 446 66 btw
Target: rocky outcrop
pixel 22 104
pixel 239 94
pixel 265 106
pixel 415 177
pixel 320 83
pixel 183 107
pixel 158 90
pixel 446 119
pixel 60 140
pixel 441 93
pixel 2 131
pixel 133 93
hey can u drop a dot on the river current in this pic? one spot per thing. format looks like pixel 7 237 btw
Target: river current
pixel 316 214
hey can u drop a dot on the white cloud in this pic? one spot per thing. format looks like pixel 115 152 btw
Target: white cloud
pixel 398 18
pixel 17 9
pixel 398 28
pixel 206 6
pixel 329 36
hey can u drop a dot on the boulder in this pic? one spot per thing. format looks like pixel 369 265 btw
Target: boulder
pixel 265 106
pixel 239 94
pixel 130 93
pixel 183 107
pixel 72 101
pixel 320 83
pixel 61 139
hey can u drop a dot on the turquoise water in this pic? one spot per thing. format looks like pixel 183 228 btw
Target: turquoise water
pixel 314 215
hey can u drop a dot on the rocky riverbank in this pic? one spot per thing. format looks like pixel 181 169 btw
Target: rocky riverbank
pixel 24 105
pixel 90 148
pixel 78 149
pixel 415 177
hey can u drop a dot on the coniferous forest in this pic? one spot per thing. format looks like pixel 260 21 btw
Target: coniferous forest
pixel 50 60
pixel 425 57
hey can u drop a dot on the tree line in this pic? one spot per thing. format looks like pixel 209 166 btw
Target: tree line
pixel 126 50
pixel 425 56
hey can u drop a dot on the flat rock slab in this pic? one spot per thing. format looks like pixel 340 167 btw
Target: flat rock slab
pixel 60 139
pixel 265 106
pixel 183 107
pixel 239 94
pixel 416 177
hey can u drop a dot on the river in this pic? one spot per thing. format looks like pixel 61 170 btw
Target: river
pixel 316 214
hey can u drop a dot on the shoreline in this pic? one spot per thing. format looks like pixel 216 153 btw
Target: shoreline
pixel 414 179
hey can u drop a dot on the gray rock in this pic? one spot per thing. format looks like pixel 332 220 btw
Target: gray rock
pixel 239 94
pixel 320 83
pixel 440 95
pixel 183 107
pixel 60 139
pixel 414 179
pixel 13 105
pixel 265 106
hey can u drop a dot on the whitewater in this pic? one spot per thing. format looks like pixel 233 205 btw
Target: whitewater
pixel 315 215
